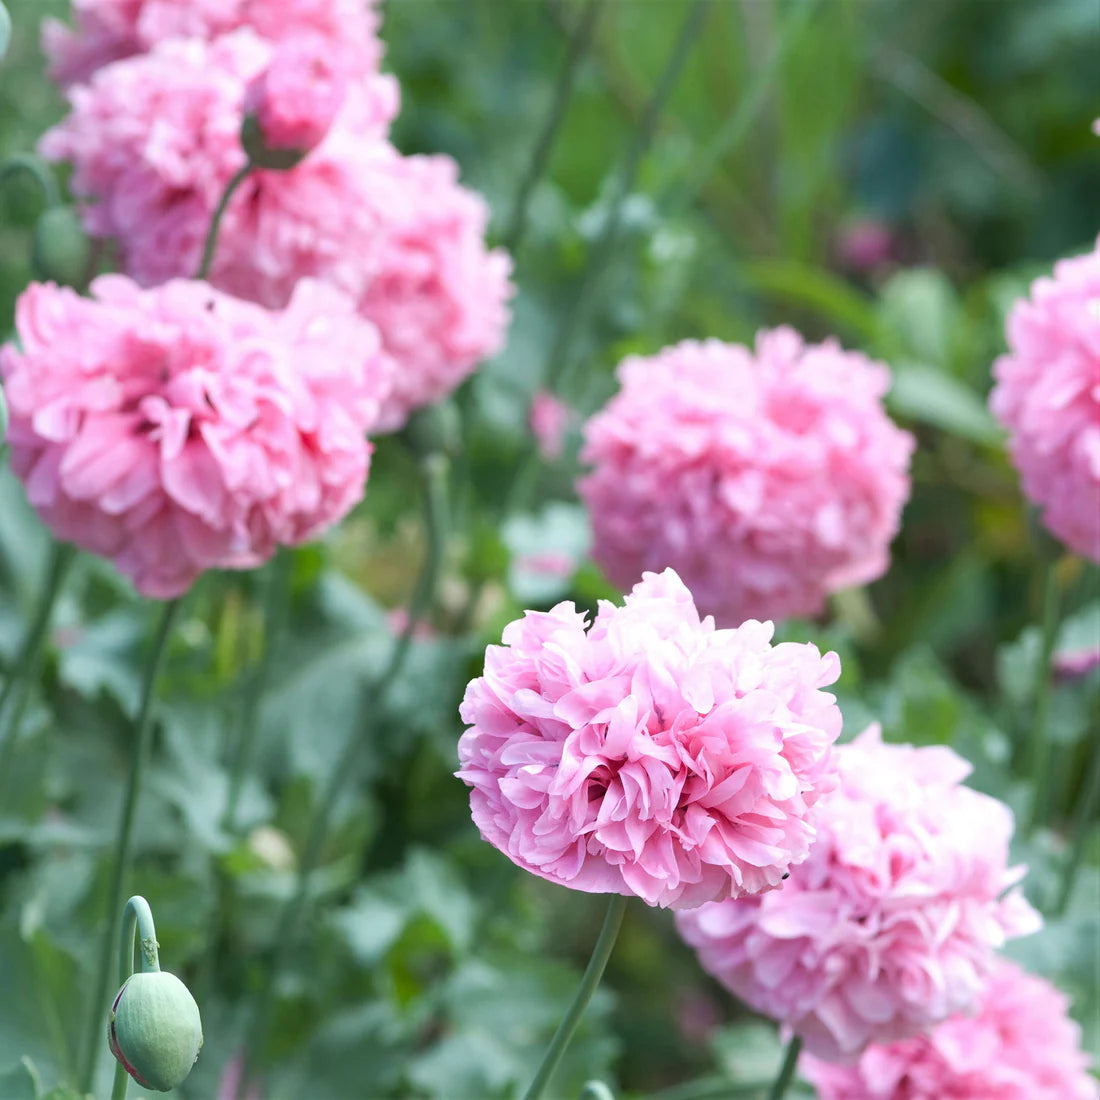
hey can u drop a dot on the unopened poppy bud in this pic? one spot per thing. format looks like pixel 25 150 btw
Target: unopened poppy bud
pixel 155 1030
pixel 60 249
pixel 291 106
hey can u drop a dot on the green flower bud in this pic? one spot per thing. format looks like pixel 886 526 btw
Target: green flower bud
pixel 260 154
pixel 155 1030
pixel 61 251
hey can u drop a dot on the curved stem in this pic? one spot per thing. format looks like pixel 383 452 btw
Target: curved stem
pixel 216 220
pixel 1040 733
pixel 136 918
pixel 30 652
pixel 578 47
pixel 592 975
pixel 435 470
pixel 276 598
pixel 786 1070
pixel 139 754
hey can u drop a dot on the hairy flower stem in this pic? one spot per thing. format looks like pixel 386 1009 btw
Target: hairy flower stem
pixel 578 47
pixel 559 358
pixel 137 918
pixel 17 686
pixel 139 754
pixel 1040 733
pixel 786 1070
pixel 275 602
pixel 592 975
pixel 216 219
pixel 435 469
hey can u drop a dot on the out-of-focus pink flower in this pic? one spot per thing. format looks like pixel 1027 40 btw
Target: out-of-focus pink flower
pixel 230 1082
pixel 109 30
pixel 866 245
pixel 652 754
pixel 766 481
pixel 548 420
pixel 1020 1045
pixel 891 924
pixel 1076 663
pixel 178 429
pixel 297 97
pixel 154 140
pixel 1048 397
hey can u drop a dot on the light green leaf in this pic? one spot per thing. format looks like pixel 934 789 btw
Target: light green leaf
pixel 925 393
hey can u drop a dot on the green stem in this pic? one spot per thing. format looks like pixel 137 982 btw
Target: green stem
pixel 786 1070
pixel 26 662
pixel 1040 733
pixel 216 220
pixel 1083 815
pixel 137 917
pixel 276 599
pixel 139 754
pixel 592 975
pixel 435 470
pixel 578 47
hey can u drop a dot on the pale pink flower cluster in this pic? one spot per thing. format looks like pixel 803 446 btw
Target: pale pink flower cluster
pixel 110 30
pixel 155 138
pixel 650 754
pixel 1048 397
pixel 1019 1045
pixel 177 429
pixel 766 480
pixel 890 926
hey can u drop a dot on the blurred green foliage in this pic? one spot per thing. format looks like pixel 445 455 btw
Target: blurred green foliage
pixel 432 968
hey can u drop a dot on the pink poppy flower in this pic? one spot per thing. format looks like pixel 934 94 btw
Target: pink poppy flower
pixel 1020 1044
pixel 1048 397
pixel 766 480
pixel 890 926
pixel 650 754
pixel 176 430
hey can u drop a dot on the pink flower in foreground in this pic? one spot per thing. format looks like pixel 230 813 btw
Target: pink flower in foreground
pixel 1020 1045
pixel 177 430
pixel 650 754
pixel 767 481
pixel 891 924
pixel 109 30
pixel 1048 397
pixel 154 140
pixel 297 97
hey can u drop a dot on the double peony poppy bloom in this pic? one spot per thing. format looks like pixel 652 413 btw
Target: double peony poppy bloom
pixel 650 754
pixel 767 480
pixel 1048 397
pixel 1020 1044
pixel 154 139
pixel 890 926
pixel 177 429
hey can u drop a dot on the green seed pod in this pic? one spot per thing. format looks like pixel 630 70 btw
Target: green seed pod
pixel 155 1030
pixel 61 251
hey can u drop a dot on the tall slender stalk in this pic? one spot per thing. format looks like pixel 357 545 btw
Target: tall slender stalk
pixel 23 669
pixel 1086 809
pixel 435 474
pixel 1040 732
pixel 136 917
pixel 578 47
pixel 139 755
pixel 786 1070
pixel 597 963
pixel 275 602
pixel 216 220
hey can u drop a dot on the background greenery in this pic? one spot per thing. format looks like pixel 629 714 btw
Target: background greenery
pixel 429 966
